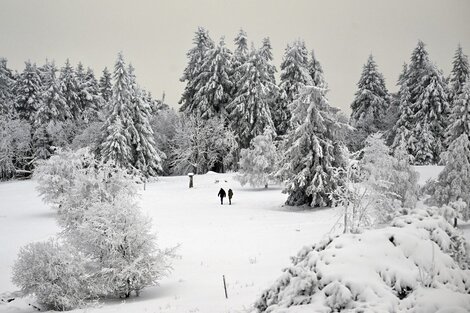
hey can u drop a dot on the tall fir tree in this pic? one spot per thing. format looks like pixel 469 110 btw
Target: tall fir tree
pixel 240 56
pixel 106 85
pixel 7 81
pixel 146 157
pixel 250 109
pixel 213 84
pixel 89 95
pixel 294 76
pixel 196 57
pixel 70 88
pixel 27 90
pixel 371 101
pixel 316 71
pixel 53 107
pixel 313 150
pixel 460 73
pixel 267 55
pixel 460 115
pixel 117 141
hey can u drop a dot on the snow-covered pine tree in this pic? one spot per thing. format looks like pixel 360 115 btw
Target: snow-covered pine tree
pixel 459 75
pixel 294 76
pixel 42 143
pixel 90 99
pixel 146 157
pixel 196 57
pixel 250 109
pixel 106 86
pixel 6 88
pixel 239 57
pixel 453 182
pixel 117 141
pixel 267 54
pixel 69 85
pixel 27 90
pixel 460 115
pixel 371 100
pixel 52 107
pixel 257 165
pixel 213 85
pixel 402 129
pixel 313 150
pixel 430 119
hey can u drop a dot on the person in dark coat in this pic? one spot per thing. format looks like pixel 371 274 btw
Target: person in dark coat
pixel 222 195
pixel 230 195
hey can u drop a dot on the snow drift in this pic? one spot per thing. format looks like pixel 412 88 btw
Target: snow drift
pixel 418 264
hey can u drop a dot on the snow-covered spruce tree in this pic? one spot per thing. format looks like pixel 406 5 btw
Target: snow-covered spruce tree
pixel 239 57
pixel 199 146
pixel 423 109
pixel 116 144
pixel 146 157
pixel 370 103
pixel 70 89
pixel 459 75
pixel 453 182
pixel 27 90
pixel 316 72
pixel 431 119
pixel 257 165
pixel 213 85
pixel 6 88
pixel 250 112
pixel 89 95
pixel 54 273
pixel 460 115
pixel 106 86
pixel 164 125
pixel 402 128
pixel 266 53
pixel 313 151
pixel 52 107
pixel 42 143
pixel 196 57
pixel 294 76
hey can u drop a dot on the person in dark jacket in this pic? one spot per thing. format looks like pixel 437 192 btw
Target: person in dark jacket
pixel 230 195
pixel 222 195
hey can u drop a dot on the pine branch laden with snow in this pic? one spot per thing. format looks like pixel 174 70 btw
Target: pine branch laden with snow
pixel 312 150
pixel 460 115
pixel 411 266
pixel 258 164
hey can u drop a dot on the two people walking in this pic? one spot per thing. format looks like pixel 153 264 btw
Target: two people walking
pixel 222 195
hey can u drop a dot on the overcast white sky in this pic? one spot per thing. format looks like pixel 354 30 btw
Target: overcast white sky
pixel 155 35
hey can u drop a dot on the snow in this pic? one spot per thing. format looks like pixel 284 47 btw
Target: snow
pixel 248 242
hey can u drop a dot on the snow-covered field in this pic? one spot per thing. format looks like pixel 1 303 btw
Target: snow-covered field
pixel 249 242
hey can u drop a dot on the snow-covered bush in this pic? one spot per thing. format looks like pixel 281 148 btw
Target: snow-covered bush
pixel 380 270
pixel 258 164
pixel 89 137
pixel 203 145
pixel 119 239
pixel 164 124
pixel 54 273
pixel 454 180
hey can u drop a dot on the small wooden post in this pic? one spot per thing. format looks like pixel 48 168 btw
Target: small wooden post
pixel 225 287
pixel 190 180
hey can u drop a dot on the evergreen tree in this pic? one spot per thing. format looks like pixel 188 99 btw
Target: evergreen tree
pixel 6 88
pixel 106 86
pixel 460 73
pixel 213 84
pixel 294 76
pixel 240 56
pixel 371 101
pixel 70 88
pixel 52 107
pixel 316 72
pixel 116 145
pixel 313 151
pixel 460 116
pixel 42 143
pixel 27 90
pixel 267 55
pixel 250 109
pixel 196 57
pixel 89 95
pixel 146 158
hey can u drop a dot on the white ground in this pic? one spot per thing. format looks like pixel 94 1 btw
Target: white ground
pixel 249 242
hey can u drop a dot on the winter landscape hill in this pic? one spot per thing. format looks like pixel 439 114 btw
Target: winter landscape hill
pixel 249 242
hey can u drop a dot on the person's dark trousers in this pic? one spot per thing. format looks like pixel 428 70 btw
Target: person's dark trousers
pixel 221 200
pixel 229 200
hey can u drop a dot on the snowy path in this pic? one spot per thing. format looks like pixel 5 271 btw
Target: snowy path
pixel 249 242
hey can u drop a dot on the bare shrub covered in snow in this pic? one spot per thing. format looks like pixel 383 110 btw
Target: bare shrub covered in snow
pixel 54 273
pixel 258 164
pixel 393 269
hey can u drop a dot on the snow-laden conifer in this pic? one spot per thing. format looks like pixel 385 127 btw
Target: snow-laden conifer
pixel 70 88
pixel 460 115
pixel 27 90
pixel 106 86
pixel 460 73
